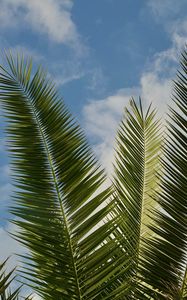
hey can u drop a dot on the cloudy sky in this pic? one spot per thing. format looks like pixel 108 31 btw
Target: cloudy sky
pixel 99 53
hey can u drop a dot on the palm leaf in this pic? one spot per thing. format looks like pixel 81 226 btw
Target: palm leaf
pixel 56 177
pixel 6 280
pixel 165 264
pixel 136 166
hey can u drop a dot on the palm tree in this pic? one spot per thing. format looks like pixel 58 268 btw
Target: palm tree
pixel 87 242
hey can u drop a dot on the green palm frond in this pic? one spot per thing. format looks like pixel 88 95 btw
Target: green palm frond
pixel 135 179
pixel 5 283
pixel 165 264
pixel 56 176
pixel 6 280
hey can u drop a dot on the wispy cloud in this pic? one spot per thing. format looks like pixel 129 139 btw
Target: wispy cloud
pixel 97 80
pixel 53 19
pixel 27 52
pixel 172 15
pixel 67 71
pixel 50 17
pixel 166 8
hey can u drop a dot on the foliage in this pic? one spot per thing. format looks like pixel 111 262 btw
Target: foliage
pixel 85 241
pixel 5 284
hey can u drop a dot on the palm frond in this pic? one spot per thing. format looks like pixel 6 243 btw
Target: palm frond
pixel 165 265
pixel 6 280
pixel 56 176
pixel 135 179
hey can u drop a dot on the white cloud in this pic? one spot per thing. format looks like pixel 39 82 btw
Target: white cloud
pixel 101 120
pixel 171 14
pixel 51 17
pixel 156 83
pixel 157 91
pixel 103 116
pixel 155 86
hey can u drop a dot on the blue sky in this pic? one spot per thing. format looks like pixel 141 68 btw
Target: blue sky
pixel 99 53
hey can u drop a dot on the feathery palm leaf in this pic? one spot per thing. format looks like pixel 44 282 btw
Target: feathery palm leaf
pixel 135 181
pixel 56 176
pixel 165 262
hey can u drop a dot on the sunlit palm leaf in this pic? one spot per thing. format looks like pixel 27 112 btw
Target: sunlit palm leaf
pixel 166 255
pixel 56 176
pixel 137 162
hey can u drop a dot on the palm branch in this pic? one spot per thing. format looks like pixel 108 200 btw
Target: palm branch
pixel 6 280
pixel 64 221
pixel 164 267
pixel 135 180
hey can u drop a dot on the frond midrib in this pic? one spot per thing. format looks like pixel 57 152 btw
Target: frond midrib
pixel 143 186
pixel 144 165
